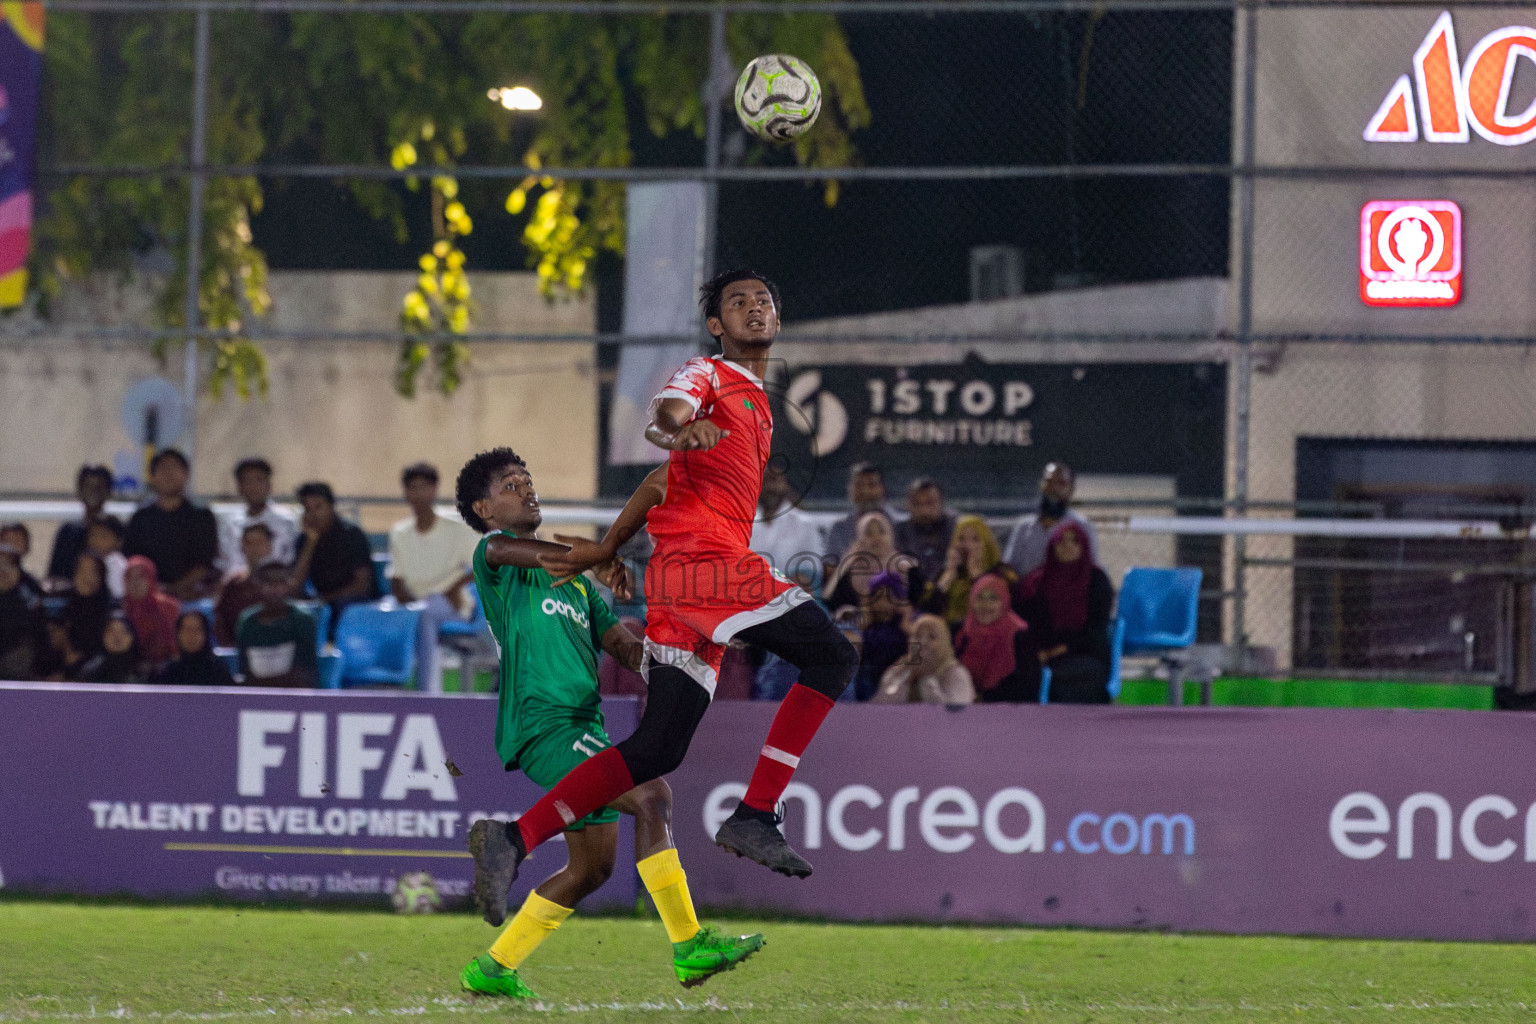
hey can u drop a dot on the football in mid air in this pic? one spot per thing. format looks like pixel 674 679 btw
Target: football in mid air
pixel 777 97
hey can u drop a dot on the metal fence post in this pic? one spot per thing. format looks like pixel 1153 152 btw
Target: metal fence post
pixel 1242 400
pixel 712 131
pixel 196 182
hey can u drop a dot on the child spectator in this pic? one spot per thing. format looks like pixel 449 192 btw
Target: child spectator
pixel 181 538
pixel 253 482
pixel 995 645
pixel 63 661
pixel 23 641
pixel 151 612
pixel 104 538
pixel 1067 603
pixel 276 640
pixel 930 674
pixel 883 636
pixel 240 590
pixel 89 604
pixel 429 560
pixel 119 660
pixel 195 663
pixel 335 558
pixel 18 538
pixel 93 486
pixel 973 553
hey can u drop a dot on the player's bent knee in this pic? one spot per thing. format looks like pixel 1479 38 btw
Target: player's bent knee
pixel 649 758
pixel 653 801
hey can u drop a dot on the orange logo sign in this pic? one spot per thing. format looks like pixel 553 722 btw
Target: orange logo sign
pixel 1410 253
pixel 1448 98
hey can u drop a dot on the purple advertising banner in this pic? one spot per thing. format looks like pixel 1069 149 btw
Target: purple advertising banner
pixel 256 794
pixel 1306 821
pixel 1303 821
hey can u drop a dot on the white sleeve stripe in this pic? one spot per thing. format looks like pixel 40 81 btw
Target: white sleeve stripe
pixel 677 393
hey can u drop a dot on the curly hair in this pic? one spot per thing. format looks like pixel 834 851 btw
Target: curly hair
pixel 474 482
pixel 714 288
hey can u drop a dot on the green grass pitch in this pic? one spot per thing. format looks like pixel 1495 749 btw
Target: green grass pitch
pixel 70 961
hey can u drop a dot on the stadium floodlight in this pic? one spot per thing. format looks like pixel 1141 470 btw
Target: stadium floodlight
pixel 519 97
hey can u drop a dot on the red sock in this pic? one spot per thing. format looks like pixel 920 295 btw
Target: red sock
pixel 592 784
pixel 800 715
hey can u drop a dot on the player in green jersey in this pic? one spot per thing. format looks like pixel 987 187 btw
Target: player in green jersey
pixel 548 721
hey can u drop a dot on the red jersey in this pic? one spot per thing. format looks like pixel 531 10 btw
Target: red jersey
pixel 712 495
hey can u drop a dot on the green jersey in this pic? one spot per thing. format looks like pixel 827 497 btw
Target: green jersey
pixel 550 640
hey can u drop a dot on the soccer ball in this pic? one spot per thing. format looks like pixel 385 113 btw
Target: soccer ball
pixel 415 894
pixel 777 97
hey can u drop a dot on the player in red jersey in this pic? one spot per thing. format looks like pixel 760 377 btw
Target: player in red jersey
pixel 704 586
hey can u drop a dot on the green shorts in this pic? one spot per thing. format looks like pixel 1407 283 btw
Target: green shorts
pixel 556 751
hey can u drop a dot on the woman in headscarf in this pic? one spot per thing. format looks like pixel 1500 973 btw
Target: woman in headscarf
pixel 119 660
pixel 883 635
pixel 873 552
pixel 1067 603
pixel 930 673
pixel 152 613
pixel 996 646
pixel 89 603
pixel 973 553
pixel 195 663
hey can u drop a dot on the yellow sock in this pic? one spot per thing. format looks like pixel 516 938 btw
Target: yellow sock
pixel 664 879
pixel 533 924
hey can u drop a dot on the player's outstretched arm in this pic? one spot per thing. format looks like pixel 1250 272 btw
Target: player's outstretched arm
pixel 578 554
pixel 624 646
pixel 519 552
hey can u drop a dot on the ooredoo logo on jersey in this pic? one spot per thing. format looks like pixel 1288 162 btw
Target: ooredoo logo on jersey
pixel 1410 253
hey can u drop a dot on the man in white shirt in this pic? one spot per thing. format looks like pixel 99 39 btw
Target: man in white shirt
pixel 788 537
pixel 1031 533
pixel 430 560
pixel 253 482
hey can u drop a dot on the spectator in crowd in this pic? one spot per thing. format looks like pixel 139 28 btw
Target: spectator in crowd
pixel 276 639
pixel 63 662
pixel 195 663
pixel 866 493
pixel 782 533
pixel 93 486
pixel 931 673
pixel 181 538
pixel 430 561
pixel 119 660
pixel 1031 533
pixel 995 645
pixel 335 558
pixel 883 639
pixel 253 482
pixel 1067 604
pixel 150 611
pixel 89 604
pixel 18 538
pixel 23 639
pixel 973 553
pixel 104 539
pixel 871 552
pixel 926 532
pixel 240 590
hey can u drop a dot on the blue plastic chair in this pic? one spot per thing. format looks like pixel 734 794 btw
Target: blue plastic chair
pixel 1160 608
pixel 381 567
pixel 378 644
pixel 1116 640
pixel 202 604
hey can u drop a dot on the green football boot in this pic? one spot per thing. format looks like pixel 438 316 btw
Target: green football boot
pixel 487 977
pixel 709 952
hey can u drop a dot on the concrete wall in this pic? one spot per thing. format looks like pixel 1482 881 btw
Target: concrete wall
pixel 332 412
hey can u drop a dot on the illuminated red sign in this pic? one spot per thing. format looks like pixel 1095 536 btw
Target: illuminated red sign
pixel 1410 253
pixel 1447 99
